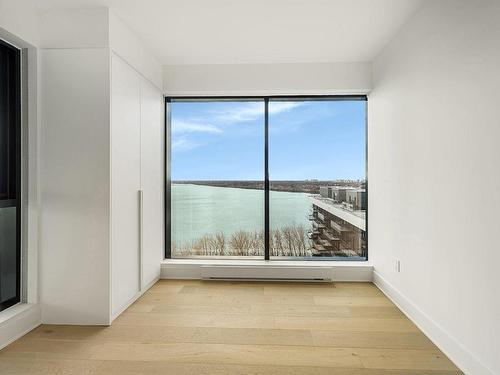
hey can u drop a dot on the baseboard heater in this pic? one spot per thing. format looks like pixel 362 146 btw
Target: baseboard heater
pixel 267 273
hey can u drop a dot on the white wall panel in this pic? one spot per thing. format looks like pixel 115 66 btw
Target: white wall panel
pixel 125 182
pixel 152 128
pixel 268 79
pixel 74 240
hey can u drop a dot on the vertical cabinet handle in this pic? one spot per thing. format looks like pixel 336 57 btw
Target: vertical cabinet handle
pixel 141 237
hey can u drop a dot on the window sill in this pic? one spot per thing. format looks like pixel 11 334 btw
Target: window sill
pixel 361 271
pixel 260 262
pixel 13 311
pixel 18 320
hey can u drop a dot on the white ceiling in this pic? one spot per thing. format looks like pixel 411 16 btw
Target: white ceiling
pixel 259 31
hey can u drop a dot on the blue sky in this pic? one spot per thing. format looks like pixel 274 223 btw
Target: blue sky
pixel 322 140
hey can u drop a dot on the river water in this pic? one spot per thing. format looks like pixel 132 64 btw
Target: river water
pixel 199 210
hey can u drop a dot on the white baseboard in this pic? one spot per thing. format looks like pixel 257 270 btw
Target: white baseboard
pixel 18 321
pixel 132 300
pixel 467 362
pixel 266 273
pixel 189 269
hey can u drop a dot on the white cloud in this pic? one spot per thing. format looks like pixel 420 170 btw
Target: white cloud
pixel 180 126
pixel 278 107
pixel 251 111
pixel 183 144
pixel 245 112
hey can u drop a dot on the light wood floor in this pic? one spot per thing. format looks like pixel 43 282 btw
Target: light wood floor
pixel 215 328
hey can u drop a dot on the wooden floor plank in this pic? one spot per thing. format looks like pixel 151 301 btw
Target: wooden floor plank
pixel 332 291
pixel 162 368
pixel 345 324
pixel 193 299
pixel 229 354
pixel 196 320
pixel 352 301
pixel 253 336
pixel 388 340
pixel 34 366
pixel 327 311
pixel 118 333
pixel 405 359
pixel 199 309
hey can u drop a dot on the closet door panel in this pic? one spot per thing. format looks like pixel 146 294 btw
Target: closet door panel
pixel 125 183
pixel 74 158
pixel 152 127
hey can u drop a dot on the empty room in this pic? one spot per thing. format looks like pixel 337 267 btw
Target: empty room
pixel 249 187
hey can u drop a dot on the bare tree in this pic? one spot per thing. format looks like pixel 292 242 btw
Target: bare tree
pixel 203 245
pixel 288 240
pixel 218 243
pixel 240 242
pixel 278 246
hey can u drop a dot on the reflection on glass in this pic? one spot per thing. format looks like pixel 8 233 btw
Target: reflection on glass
pixel 317 179
pixel 8 254
pixel 217 169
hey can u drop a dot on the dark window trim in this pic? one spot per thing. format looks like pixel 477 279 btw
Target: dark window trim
pixel 267 225
pixel 167 181
pixel 266 99
pixel 14 197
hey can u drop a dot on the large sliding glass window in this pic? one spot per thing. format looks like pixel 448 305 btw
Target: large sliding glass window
pixel 10 172
pixel 273 178
pixel 217 178
pixel 317 168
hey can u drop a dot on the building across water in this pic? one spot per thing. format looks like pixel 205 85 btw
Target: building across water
pixel 339 222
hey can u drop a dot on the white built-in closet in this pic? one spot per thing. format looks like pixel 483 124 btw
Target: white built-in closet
pixel 101 168
pixel 136 183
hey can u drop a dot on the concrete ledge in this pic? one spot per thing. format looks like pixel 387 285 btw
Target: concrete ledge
pixel 17 321
pixel 192 268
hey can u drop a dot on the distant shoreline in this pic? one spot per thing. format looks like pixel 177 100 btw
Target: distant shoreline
pixel 307 186
pixel 240 188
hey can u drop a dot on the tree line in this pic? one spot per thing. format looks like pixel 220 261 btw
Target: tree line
pixel 285 241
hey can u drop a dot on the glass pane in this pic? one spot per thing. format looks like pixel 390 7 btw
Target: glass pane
pixel 217 171
pixel 8 113
pixel 317 179
pixel 8 254
pixel 9 175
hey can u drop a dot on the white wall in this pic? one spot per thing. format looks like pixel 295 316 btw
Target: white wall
pixel 267 79
pixel 20 19
pixel 130 48
pixel 74 28
pixel 434 126
pixel 75 169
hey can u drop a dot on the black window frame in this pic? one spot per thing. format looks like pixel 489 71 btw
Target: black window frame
pixel 266 99
pixel 12 197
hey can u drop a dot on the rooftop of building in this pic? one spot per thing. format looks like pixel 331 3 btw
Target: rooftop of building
pixel 356 217
pixel 353 188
